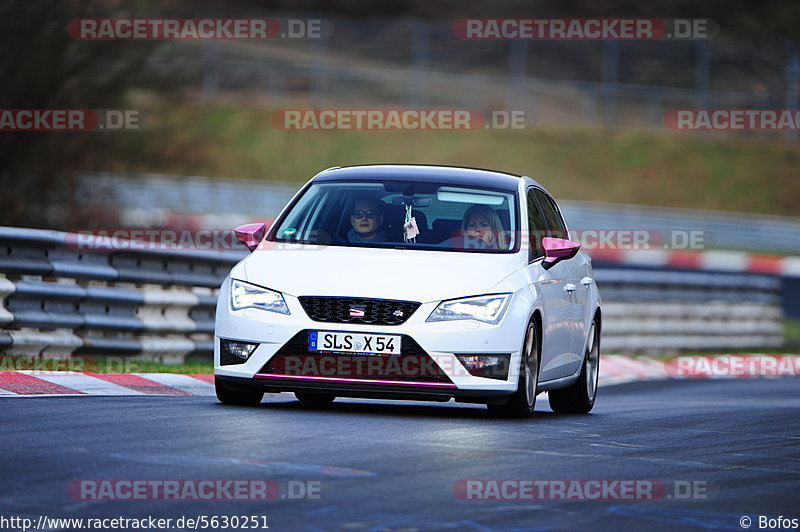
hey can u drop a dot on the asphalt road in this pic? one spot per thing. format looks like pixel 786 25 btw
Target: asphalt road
pixel 393 466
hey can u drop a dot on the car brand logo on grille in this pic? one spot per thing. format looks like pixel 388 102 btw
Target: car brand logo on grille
pixel 356 312
pixel 398 313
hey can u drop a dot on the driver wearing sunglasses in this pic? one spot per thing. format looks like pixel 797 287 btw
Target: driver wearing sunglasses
pixel 366 220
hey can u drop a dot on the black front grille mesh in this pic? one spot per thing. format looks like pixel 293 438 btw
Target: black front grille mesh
pixel 349 310
pixel 413 364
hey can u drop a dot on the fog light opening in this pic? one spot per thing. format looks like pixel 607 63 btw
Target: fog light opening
pixel 235 352
pixel 489 366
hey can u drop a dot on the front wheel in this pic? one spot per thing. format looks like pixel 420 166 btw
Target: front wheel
pixel 523 401
pixel 227 396
pixel 579 397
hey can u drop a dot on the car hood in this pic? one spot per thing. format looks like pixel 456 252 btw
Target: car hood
pixel 412 275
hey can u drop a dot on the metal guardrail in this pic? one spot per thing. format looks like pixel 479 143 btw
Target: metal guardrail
pixel 56 298
pixel 656 311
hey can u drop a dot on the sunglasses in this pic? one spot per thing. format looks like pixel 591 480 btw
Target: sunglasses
pixel 361 214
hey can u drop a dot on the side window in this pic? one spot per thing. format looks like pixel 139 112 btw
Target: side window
pixel 555 225
pixel 536 227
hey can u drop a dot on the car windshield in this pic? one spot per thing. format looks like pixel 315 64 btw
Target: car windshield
pixel 402 214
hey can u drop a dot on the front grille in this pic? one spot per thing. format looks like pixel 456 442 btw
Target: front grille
pixel 358 310
pixel 412 364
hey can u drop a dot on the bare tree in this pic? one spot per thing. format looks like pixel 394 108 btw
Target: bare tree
pixel 44 68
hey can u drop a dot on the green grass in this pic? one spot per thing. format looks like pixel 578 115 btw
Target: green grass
pixel 137 366
pixel 756 173
pixel 101 364
pixel 791 334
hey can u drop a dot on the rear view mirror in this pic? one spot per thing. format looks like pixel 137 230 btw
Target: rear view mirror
pixel 558 249
pixel 416 202
pixel 250 235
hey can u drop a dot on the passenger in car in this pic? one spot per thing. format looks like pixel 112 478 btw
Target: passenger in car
pixel 483 229
pixel 366 219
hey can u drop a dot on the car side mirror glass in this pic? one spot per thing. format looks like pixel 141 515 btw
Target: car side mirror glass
pixel 251 235
pixel 558 249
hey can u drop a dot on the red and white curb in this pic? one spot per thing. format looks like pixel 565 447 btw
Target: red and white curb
pixel 614 369
pixel 32 383
pixel 713 260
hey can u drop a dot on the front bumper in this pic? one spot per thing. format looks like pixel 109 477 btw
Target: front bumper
pixel 433 344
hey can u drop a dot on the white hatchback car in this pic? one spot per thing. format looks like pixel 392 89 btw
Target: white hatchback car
pixel 412 282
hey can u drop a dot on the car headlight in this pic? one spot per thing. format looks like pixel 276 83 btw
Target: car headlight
pixel 489 309
pixel 246 295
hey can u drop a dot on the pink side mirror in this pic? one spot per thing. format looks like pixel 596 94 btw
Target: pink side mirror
pixel 250 235
pixel 558 249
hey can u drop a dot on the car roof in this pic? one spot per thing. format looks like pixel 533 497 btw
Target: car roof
pixel 455 175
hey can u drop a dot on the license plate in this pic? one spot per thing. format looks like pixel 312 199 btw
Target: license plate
pixel 347 342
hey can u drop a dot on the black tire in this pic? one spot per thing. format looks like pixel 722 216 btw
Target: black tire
pixel 227 396
pixel 579 397
pixel 522 402
pixel 315 398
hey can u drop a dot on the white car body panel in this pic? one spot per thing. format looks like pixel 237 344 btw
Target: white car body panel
pixel 411 275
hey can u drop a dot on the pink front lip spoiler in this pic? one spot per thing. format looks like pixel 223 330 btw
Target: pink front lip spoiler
pixel 355 381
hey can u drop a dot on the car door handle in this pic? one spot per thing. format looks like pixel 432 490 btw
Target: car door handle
pixel 570 287
pixel 586 281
